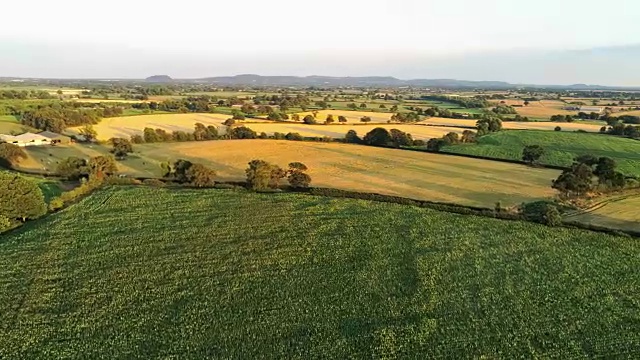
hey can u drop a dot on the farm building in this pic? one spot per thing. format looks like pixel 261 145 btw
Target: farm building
pixel 55 138
pixel 26 139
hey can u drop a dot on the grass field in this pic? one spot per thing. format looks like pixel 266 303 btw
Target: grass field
pixel 619 212
pixel 9 123
pixel 515 125
pixel 560 147
pixel 361 168
pixel 120 275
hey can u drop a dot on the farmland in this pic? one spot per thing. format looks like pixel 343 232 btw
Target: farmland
pixel 362 168
pixel 125 126
pixel 514 125
pixel 339 131
pixel 352 116
pixel 560 147
pixel 153 273
pixel 540 110
pixel 9 124
pixel 618 212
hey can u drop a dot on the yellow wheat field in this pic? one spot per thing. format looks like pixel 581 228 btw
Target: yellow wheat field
pixel 363 168
pixel 352 116
pixel 126 126
pixel 539 109
pixel 537 125
pixel 339 131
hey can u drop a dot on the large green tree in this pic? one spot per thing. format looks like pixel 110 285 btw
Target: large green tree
pixel 20 198
pixel 378 137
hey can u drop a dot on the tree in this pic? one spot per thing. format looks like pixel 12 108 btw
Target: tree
pixel 352 137
pixel 342 119
pixel 435 144
pixel 101 166
pixel 558 128
pixel 468 136
pixel 352 106
pixel 121 147
pixel 552 216
pixel 294 136
pixel 309 119
pixel 526 103
pixel 532 153
pixel 242 132
pixel 229 122
pixel 297 176
pixel 262 175
pixel 329 119
pixel 382 106
pixel 89 133
pixel 401 138
pixel 199 175
pixel 488 124
pixel 20 199
pixel 295 117
pixel 575 181
pixel 72 168
pixel 201 132
pixel 11 155
pixel 363 106
pixel 365 119
pixel 378 137
pixel 150 135
pixel 394 108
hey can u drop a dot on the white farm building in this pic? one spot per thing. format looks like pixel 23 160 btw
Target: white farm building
pixel 26 139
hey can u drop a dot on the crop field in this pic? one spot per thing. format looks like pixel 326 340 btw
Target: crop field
pixel 125 126
pixel 121 275
pixel 542 109
pixel 362 168
pixel 9 123
pixel 560 147
pixel 632 113
pixel 339 131
pixel 516 125
pixel 619 212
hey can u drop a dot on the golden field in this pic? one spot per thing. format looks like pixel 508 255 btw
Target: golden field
pixel 410 174
pixel 539 109
pixel 126 126
pixel 339 131
pixel 531 125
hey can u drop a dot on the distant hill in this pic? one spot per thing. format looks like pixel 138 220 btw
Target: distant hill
pixel 159 79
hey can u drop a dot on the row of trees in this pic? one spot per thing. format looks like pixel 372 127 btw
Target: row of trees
pixel 262 175
pixel 24 94
pixel 58 118
pixel 452 138
pixel 622 130
pixel 465 102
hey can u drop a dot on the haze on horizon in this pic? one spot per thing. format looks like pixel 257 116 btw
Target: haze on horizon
pixel 546 42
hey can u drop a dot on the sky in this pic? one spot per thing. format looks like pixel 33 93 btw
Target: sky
pixel 541 41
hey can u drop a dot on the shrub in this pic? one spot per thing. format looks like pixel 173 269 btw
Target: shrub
pixel 20 198
pixel 558 128
pixel 56 204
pixel 154 182
pixel 5 223
pixel 552 216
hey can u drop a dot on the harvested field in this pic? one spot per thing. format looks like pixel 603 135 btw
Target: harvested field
pixel 515 125
pixel 619 212
pixel 353 117
pixel 126 126
pixel 339 131
pixel 539 109
pixel 362 168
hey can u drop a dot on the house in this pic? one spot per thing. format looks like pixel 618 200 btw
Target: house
pixel 55 138
pixel 26 139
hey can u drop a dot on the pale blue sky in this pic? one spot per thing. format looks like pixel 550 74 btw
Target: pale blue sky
pixel 405 38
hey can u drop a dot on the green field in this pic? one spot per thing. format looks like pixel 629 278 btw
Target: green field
pixel 560 147
pixel 152 273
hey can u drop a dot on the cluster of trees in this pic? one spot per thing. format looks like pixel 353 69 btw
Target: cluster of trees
pixel 562 118
pixel 531 154
pixel 186 172
pixel 285 102
pixel 383 137
pixel 24 94
pixel 405 117
pixel 99 167
pixel 442 112
pixel 451 138
pixel 504 110
pixel 465 102
pixel 121 148
pixel 488 124
pixel 20 200
pixel 57 118
pixel 262 175
pixel 620 129
pixel 200 133
pixel 11 155
pixel 580 178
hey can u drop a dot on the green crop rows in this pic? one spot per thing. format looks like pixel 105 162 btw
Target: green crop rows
pixel 148 273
pixel 560 147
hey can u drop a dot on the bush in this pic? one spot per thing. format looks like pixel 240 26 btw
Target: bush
pixel 552 216
pixel 557 128
pixel 154 182
pixel 56 204
pixel 5 223
pixel 20 198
